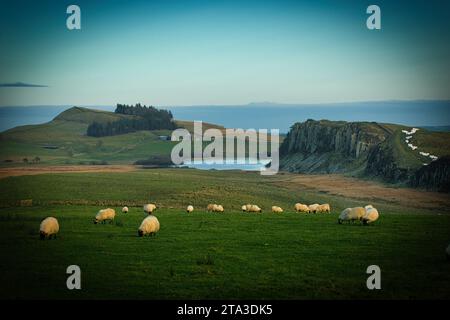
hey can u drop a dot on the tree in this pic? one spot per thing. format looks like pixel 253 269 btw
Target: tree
pixel 149 118
pixel 25 160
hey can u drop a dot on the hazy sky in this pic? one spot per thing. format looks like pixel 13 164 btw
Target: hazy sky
pixel 223 52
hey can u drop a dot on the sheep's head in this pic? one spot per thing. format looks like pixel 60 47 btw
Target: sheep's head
pixel 140 233
pixel 95 221
pixel 42 235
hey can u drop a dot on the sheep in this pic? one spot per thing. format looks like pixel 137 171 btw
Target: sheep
pixel 105 215
pixel 218 208
pixel 301 208
pixel 210 207
pixel 351 214
pixel 149 208
pixel 244 207
pixel 277 209
pixel 125 210
pixel 324 208
pixel 313 207
pixel 49 228
pixel 189 209
pixel 371 214
pixel 149 226
pixel 254 208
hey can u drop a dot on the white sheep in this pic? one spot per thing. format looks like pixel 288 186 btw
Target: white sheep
pixel 324 208
pixel 189 209
pixel 149 208
pixel 277 209
pixel 425 154
pixel 371 214
pixel 244 207
pixel 254 208
pixel 351 214
pixel 149 226
pixel 125 210
pixel 218 208
pixel 313 207
pixel 301 208
pixel 210 207
pixel 105 215
pixel 49 228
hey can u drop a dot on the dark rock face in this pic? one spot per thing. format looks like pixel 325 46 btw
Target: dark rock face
pixel 362 148
pixel 381 163
pixel 326 146
pixel 349 139
pixel 435 176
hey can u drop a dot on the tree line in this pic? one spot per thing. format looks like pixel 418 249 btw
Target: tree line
pixel 145 118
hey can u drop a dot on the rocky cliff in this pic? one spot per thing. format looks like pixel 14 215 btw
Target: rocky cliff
pixel 358 148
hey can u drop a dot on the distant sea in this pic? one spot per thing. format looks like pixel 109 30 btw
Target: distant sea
pixel 269 115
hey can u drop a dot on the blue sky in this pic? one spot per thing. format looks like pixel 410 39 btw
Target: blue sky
pixel 223 52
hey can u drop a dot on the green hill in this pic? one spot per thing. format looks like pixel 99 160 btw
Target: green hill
pixel 64 141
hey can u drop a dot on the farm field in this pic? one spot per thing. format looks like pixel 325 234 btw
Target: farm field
pixel 233 255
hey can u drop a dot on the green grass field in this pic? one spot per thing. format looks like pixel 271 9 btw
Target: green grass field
pixel 208 255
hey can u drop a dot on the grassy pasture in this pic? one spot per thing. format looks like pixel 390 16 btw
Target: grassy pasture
pixel 205 255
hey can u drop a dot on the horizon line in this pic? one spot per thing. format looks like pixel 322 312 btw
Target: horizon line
pixel 267 103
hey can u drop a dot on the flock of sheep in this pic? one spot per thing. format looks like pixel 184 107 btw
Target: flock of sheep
pixel 409 135
pixel 49 227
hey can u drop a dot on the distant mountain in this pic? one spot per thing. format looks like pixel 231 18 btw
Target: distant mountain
pixel 369 149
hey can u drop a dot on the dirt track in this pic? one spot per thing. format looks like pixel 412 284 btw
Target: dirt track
pixel 33 170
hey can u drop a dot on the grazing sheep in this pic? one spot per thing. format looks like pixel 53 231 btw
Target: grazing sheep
pixel 313 207
pixel 149 208
pixel 125 210
pixel 371 214
pixel 324 208
pixel 254 208
pixel 244 208
pixel 218 208
pixel 210 207
pixel 105 215
pixel 49 228
pixel 351 214
pixel 149 226
pixel 189 209
pixel 276 209
pixel 301 208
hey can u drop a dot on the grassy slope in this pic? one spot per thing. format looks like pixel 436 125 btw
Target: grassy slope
pixel 67 131
pixel 231 255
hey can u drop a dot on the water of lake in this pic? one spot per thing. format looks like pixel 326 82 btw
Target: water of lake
pixel 282 117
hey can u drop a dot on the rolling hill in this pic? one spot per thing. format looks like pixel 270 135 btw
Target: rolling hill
pixel 63 141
